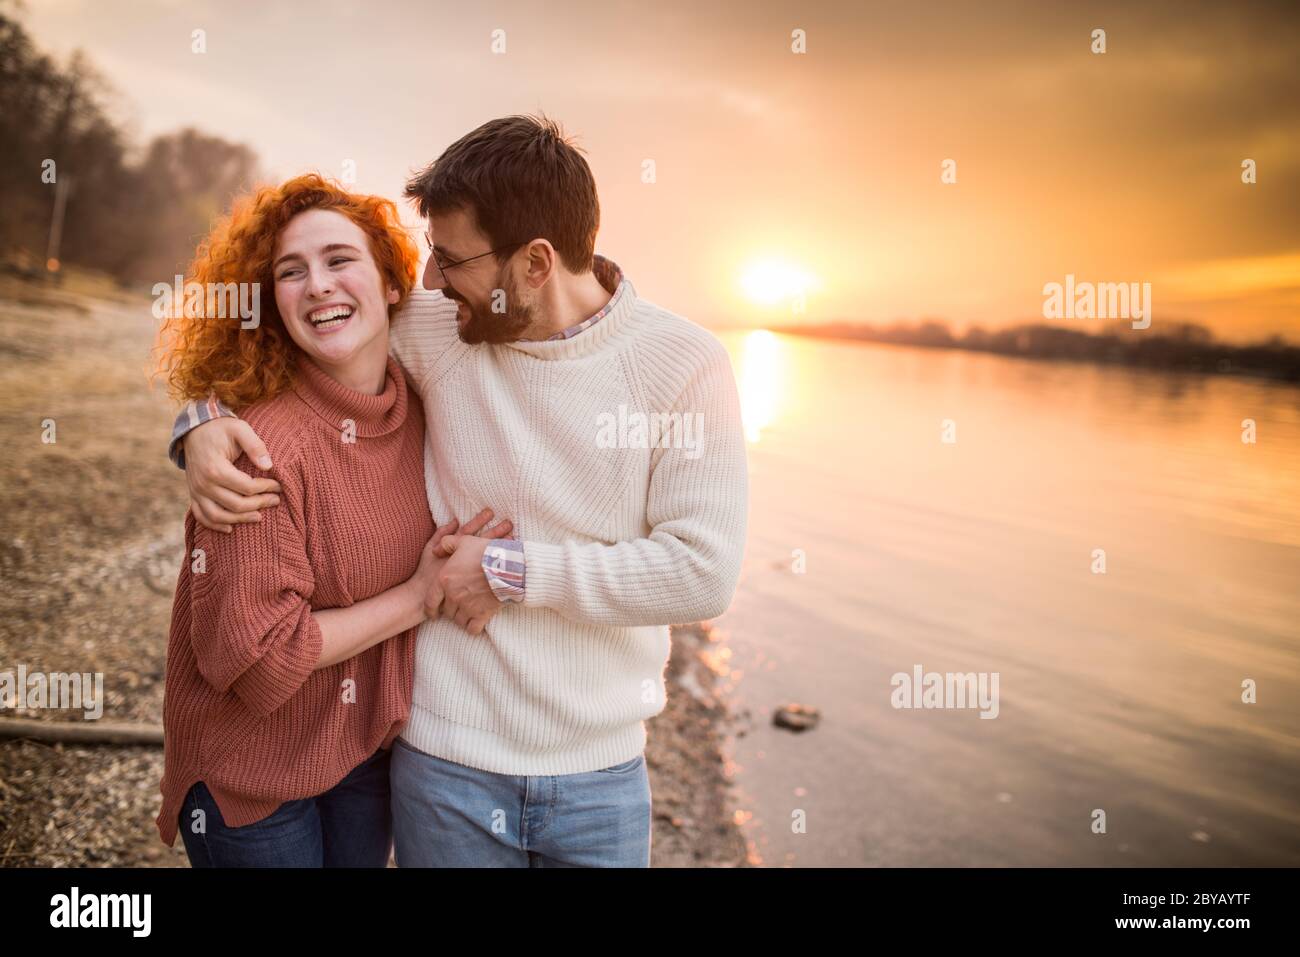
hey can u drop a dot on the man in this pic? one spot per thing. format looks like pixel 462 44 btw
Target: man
pixel 608 430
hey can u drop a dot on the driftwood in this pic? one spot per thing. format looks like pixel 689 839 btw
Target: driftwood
pixel 81 732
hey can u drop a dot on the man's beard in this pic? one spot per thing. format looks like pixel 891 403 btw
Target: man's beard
pixel 484 325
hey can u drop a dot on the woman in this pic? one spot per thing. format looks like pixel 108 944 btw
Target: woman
pixel 291 652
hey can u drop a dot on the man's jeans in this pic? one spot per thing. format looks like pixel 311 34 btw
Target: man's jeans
pixel 450 815
pixel 347 826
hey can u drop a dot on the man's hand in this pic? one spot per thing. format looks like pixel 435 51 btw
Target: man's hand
pixel 467 597
pixel 433 559
pixel 221 496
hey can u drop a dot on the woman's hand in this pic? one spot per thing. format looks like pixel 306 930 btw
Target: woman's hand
pixel 349 631
pixel 425 580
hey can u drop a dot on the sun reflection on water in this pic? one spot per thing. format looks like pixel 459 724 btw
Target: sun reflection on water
pixel 762 368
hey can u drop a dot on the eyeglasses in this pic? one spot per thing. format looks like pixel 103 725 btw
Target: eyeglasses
pixel 443 267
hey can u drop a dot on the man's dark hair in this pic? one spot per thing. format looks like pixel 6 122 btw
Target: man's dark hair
pixel 521 179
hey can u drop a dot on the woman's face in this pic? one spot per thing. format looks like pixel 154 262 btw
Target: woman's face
pixel 329 291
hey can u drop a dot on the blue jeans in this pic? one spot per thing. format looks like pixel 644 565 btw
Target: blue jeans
pixel 449 815
pixel 350 825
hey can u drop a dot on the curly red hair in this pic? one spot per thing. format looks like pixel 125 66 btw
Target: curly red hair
pixel 242 366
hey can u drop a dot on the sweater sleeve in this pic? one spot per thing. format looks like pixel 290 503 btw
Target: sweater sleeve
pixel 252 628
pixel 422 332
pixel 687 568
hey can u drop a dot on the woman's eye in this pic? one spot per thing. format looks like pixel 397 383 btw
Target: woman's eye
pixel 288 274
pixel 339 259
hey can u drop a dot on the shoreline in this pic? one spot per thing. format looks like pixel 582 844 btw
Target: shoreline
pixel 693 823
pixel 1162 352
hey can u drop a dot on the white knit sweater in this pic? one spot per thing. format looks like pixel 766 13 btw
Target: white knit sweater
pixel 621 538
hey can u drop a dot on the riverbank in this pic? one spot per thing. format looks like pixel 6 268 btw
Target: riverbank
pixel 88 563
pixel 1168 347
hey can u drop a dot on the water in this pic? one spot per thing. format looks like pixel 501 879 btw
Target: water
pixel 1118 692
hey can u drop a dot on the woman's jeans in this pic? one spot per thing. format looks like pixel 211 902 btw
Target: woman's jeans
pixel 350 825
pixel 449 815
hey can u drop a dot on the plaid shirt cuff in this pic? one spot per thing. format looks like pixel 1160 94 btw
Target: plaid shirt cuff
pixel 503 565
pixel 191 416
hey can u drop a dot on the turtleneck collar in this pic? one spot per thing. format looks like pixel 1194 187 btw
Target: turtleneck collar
pixel 334 402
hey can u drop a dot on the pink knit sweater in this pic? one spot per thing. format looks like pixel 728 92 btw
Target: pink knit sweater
pixel 243 710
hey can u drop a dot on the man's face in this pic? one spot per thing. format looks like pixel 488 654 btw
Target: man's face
pixel 493 304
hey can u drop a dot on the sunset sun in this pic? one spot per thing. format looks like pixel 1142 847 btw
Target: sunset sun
pixel 770 282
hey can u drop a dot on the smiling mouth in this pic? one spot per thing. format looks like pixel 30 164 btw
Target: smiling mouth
pixel 331 317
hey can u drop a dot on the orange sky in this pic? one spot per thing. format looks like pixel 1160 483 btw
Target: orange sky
pixel 1120 167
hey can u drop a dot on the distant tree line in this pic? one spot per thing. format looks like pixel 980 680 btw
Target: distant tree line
pixel 135 214
pixel 1179 346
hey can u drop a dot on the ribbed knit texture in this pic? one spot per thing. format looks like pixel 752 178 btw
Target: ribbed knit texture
pixel 618 542
pixel 243 711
